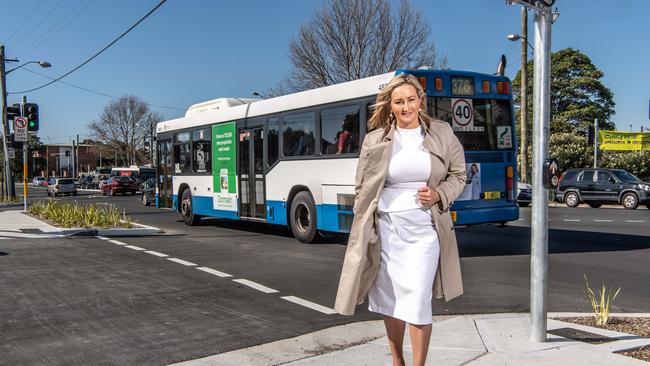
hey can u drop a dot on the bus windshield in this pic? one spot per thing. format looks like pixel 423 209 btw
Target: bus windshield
pixel 485 124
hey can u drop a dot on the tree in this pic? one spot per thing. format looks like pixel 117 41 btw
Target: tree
pixel 352 39
pixel 578 95
pixel 123 125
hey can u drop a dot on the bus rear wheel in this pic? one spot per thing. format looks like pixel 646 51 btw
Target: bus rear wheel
pixel 189 217
pixel 303 217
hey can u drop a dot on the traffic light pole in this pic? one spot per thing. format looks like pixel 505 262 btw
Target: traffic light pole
pixel 9 190
pixel 25 148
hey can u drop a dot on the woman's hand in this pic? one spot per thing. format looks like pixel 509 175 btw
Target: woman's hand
pixel 428 197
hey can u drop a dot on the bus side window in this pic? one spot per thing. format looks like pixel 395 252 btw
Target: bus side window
pixel 273 140
pixel 298 134
pixel 182 152
pixel 340 130
pixel 201 151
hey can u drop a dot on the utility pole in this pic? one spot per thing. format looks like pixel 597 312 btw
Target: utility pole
pixel 9 186
pixel 539 211
pixel 524 95
pixel 596 143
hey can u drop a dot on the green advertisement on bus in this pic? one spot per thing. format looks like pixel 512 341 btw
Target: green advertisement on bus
pixel 224 167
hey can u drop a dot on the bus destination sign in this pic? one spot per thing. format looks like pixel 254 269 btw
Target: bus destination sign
pixel 462 85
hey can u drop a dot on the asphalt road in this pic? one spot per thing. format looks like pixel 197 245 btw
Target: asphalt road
pixel 93 301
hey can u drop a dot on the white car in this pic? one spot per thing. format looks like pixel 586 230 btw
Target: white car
pixel 62 186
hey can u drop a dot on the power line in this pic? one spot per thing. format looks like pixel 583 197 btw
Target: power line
pixel 96 54
pixel 25 21
pixel 56 28
pixel 98 92
pixel 38 24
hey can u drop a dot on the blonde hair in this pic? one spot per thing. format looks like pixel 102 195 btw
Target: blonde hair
pixel 382 116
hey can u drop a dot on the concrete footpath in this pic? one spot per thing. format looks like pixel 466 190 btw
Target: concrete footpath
pixel 481 340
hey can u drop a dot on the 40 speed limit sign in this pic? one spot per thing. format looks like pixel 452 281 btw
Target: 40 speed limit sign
pixel 462 113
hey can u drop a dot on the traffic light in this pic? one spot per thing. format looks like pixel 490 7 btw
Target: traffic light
pixel 13 111
pixel 30 112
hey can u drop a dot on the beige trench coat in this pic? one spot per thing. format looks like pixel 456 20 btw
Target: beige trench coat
pixel 361 262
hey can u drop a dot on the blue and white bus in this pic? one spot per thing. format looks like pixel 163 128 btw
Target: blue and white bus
pixel 291 160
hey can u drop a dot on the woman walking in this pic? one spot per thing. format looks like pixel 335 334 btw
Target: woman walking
pixel 402 246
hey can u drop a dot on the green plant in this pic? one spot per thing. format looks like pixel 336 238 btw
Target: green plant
pixel 74 215
pixel 601 304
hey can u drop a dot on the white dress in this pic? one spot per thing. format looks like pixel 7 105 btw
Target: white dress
pixel 409 241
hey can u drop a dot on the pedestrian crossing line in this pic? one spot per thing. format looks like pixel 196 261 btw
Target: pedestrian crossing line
pixel 214 272
pixel 134 247
pixel 309 304
pixel 116 242
pixel 256 286
pixel 157 254
pixel 185 263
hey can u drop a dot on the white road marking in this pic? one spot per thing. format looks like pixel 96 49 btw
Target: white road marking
pixel 134 247
pixel 256 286
pixel 309 304
pixel 102 237
pixel 185 263
pixel 604 220
pixel 634 220
pixel 116 242
pixel 572 220
pixel 214 272
pixel 157 254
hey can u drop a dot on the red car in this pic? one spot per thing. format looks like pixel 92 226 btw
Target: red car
pixel 122 185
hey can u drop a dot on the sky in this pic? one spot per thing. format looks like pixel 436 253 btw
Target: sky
pixel 190 51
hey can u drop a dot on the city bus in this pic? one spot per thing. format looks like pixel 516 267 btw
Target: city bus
pixel 291 160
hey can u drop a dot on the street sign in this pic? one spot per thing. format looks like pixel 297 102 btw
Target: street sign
pixel 20 129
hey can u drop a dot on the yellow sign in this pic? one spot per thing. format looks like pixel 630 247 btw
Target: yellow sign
pixel 624 141
pixel 492 195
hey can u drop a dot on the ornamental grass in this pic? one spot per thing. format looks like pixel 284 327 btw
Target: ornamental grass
pixel 70 215
pixel 601 303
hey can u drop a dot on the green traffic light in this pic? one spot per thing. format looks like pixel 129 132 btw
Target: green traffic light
pixel 31 123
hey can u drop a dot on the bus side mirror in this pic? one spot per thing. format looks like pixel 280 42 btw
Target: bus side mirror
pixel 551 176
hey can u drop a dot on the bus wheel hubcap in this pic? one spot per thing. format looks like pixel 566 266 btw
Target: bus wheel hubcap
pixel 302 218
pixel 186 207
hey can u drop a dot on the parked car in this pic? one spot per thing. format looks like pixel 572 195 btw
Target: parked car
pixel 38 181
pixel 76 182
pixel 598 186
pixel 61 186
pixel 115 185
pixel 524 194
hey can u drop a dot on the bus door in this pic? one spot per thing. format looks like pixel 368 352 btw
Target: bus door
pixel 164 173
pixel 251 173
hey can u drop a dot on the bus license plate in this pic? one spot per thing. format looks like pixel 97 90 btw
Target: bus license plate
pixel 492 195
pixel 453 216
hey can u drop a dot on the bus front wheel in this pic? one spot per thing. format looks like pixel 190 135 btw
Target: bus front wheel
pixel 189 217
pixel 303 217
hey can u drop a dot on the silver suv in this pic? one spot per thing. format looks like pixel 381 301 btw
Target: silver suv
pixel 62 186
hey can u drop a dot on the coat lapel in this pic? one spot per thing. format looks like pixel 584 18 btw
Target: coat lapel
pixel 432 143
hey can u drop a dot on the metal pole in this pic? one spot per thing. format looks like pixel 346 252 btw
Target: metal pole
pixel 596 143
pixel 76 158
pixel 9 190
pixel 524 95
pixel 25 148
pixel 539 229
